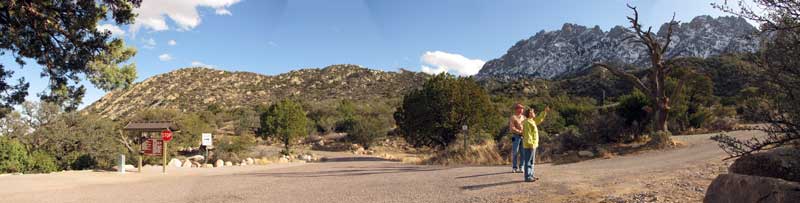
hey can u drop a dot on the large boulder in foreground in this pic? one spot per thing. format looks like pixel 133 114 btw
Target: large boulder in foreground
pixel 745 188
pixel 783 163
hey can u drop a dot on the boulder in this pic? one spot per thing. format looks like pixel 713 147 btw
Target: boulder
pixel 307 158
pixel 127 168
pixel 187 163
pixel 196 158
pixel 219 163
pixel 208 166
pixel 228 163
pixel 283 160
pixel 586 153
pixel 174 163
pixel 783 163
pixel 250 161
pixel 243 163
pixel 321 143
pixel 745 188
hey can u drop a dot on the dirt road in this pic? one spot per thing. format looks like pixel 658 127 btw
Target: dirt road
pixel 678 175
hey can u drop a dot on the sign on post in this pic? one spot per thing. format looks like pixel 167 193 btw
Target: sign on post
pixel 207 140
pixel 166 135
pixel 153 147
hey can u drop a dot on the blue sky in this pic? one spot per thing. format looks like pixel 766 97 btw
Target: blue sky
pixel 276 36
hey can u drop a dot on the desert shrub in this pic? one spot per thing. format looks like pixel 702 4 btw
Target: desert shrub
pixel 233 148
pixel 606 127
pixel 572 139
pixel 82 141
pixel 661 139
pixel 433 115
pixel 42 162
pixel 632 109
pixel 13 156
pixel 365 131
pixel 83 161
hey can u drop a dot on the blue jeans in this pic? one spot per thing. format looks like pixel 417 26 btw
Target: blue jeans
pixel 529 157
pixel 516 150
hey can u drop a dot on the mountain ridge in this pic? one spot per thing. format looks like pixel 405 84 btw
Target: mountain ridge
pixel 195 88
pixel 549 54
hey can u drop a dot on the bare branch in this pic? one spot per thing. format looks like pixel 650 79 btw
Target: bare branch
pixel 669 34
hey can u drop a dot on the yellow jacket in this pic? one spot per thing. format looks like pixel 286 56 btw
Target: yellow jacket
pixel 530 131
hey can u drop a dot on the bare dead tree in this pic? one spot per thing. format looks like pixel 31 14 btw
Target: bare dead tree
pixel 654 85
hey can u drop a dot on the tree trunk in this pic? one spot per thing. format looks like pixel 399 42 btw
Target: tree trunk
pixel 661 114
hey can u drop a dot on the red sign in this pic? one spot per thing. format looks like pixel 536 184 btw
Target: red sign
pixel 153 147
pixel 166 135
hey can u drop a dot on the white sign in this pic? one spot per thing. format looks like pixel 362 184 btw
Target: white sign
pixel 207 140
pixel 464 127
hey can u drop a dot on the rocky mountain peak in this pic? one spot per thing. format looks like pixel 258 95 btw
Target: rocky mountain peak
pixel 575 47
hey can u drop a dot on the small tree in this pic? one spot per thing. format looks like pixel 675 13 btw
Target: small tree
pixel 285 120
pixel 433 115
pixel 654 86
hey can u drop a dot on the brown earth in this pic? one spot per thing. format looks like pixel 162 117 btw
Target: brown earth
pixel 675 175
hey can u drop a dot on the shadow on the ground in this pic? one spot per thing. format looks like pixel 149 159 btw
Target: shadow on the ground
pixel 349 159
pixel 481 175
pixel 488 185
pixel 343 172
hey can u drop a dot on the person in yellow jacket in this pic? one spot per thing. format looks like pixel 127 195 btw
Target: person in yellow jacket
pixel 530 141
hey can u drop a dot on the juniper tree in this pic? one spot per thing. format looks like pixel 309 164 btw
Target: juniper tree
pixel 63 37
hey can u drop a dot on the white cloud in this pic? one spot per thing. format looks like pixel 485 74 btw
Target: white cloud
pixel 164 57
pixel 149 43
pixel 115 30
pixel 172 42
pixel 223 12
pixel 272 44
pixel 151 14
pixel 438 62
pixel 201 64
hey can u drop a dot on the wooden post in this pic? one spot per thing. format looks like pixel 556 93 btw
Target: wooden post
pixel 164 151
pixel 140 162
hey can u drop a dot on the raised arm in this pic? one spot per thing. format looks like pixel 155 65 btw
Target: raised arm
pixel 539 119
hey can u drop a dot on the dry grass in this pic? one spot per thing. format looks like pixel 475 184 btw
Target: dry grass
pixel 482 154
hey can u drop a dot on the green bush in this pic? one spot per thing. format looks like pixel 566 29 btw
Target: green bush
pixel 433 115
pixel 286 121
pixel 42 162
pixel 13 156
pixel 631 109
pixel 233 148
pixel 366 131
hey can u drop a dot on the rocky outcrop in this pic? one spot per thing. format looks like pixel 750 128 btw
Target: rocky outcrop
pixel 783 163
pixel 574 48
pixel 194 89
pixel 745 188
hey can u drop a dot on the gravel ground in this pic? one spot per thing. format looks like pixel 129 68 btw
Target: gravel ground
pixel 676 175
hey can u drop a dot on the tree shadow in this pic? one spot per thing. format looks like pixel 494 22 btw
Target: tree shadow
pixel 344 172
pixel 354 159
pixel 481 175
pixel 482 186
